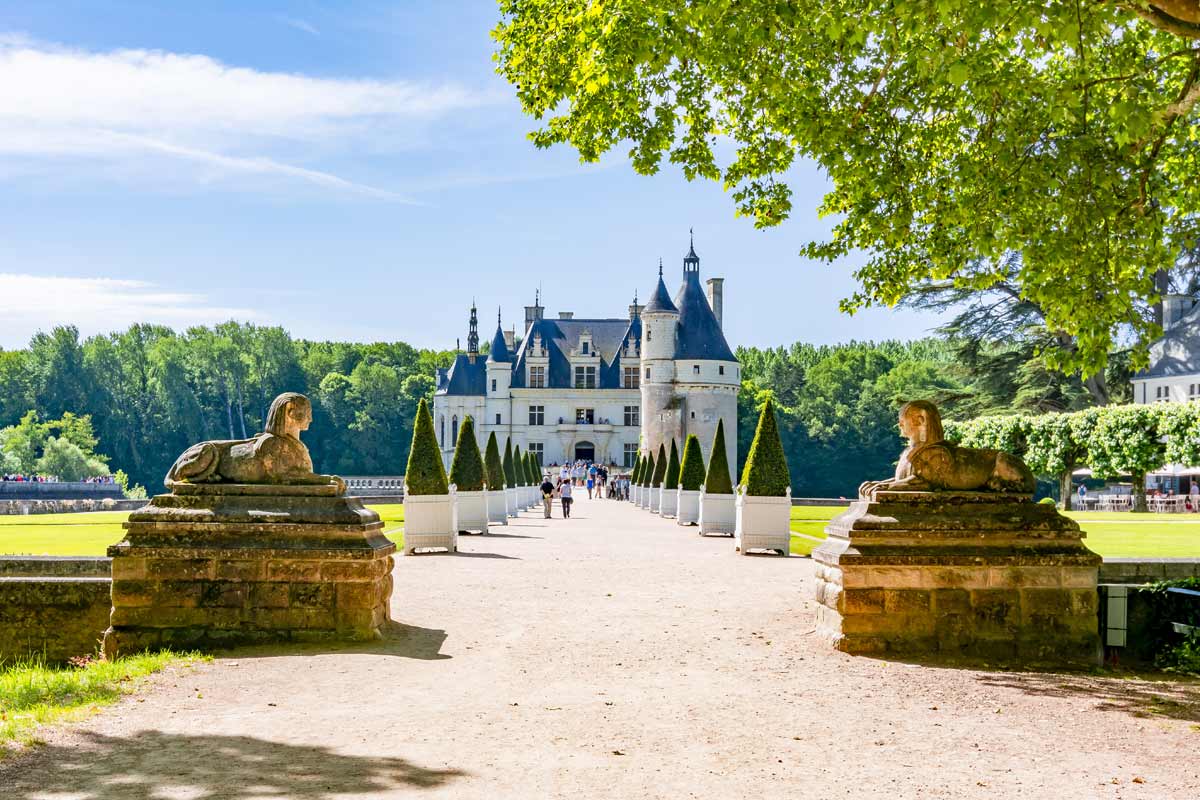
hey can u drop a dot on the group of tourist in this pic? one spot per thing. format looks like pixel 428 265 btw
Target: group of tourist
pixel 594 478
pixel 16 477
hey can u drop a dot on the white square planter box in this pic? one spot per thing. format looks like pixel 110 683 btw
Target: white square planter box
pixel 718 513
pixel 510 500
pixel 430 520
pixel 763 523
pixel 654 500
pixel 472 512
pixel 687 507
pixel 497 508
pixel 668 502
pixel 635 494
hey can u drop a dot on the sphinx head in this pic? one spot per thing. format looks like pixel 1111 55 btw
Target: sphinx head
pixel 290 413
pixel 921 423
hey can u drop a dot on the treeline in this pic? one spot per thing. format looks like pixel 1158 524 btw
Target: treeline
pixel 837 404
pixel 1112 441
pixel 150 392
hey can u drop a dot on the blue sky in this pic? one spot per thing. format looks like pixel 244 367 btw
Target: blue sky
pixel 350 170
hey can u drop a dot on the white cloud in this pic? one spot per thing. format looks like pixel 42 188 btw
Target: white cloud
pixel 29 303
pixel 126 105
pixel 300 25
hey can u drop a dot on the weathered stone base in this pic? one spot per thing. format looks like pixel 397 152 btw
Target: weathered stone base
pixel 225 566
pixel 974 575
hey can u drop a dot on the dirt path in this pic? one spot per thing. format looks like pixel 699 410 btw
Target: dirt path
pixel 615 655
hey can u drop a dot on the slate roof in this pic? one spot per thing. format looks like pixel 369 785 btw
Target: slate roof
pixel 561 336
pixel 463 377
pixel 660 301
pixel 499 353
pixel 698 335
pixel 1178 351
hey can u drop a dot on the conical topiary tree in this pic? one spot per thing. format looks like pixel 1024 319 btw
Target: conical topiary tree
pixel 510 474
pixel 425 473
pixel 671 479
pixel 519 467
pixel 717 481
pixel 660 468
pixel 635 474
pixel 691 473
pixel 766 473
pixel 648 471
pixel 466 471
pixel 535 470
pixel 493 467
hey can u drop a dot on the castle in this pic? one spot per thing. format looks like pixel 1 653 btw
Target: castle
pixel 600 389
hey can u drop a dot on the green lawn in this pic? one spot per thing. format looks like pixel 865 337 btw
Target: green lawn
pixel 90 533
pixel 1110 534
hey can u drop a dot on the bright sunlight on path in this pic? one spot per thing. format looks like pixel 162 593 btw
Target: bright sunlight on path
pixel 615 655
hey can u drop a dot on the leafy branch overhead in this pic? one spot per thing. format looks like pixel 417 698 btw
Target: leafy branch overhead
pixel 954 133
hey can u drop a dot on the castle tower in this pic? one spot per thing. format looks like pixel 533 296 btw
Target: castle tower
pixel 660 320
pixel 473 335
pixel 499 379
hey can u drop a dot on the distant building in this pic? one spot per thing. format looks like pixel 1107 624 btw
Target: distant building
pixel 1173 375
pixel 599 389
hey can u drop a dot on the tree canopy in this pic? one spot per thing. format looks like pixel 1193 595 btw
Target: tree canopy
pixel 954 133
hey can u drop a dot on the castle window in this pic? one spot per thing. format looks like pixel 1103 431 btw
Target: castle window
pixel 537 377
pixel 1193 390
pixel 630 378
pixel 585 377
pixel 539 450
pixel 498 418
pixel 586 346
pixel 695 369
pixel 454 430
pixel 537 415
pixel 632 416
pixel 721 370
pixel 585 416
pixel 647 373
pixel 441 430
pixel 629 455
pixel 493 384
pixel 693 415
pixel 647 334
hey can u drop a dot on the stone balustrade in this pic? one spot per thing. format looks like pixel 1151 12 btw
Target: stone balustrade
pixel 374 485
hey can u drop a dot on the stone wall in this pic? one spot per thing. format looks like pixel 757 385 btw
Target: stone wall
pixel 52 607
pixel 1147 570
pixel 22 507
pixel 61 490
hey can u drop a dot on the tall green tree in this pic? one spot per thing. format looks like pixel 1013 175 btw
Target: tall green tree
pixel 466 471
pixel 425 474
pixel 954 134
pixel 493 466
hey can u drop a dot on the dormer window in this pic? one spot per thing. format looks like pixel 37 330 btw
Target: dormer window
pixel 584 347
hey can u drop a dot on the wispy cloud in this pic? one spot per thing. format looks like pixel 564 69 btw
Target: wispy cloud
pixel 300 25
pixel 32 302
pixel 126 105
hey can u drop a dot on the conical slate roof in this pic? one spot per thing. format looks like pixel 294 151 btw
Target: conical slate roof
pixel 499 352
pixel 660 301
pixel 699 336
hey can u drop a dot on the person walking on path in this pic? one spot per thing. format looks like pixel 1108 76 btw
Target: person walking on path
pixel 591 481
pixel 564 492
pixel 547 495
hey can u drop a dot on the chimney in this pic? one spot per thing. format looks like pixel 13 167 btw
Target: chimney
pixel 510 337
pixel 716 299
pixel 1175 307
pixel 566 315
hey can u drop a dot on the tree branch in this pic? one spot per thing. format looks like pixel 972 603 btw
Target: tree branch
pixel 1177 17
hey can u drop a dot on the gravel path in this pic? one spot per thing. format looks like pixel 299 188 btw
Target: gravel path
pixel 614 655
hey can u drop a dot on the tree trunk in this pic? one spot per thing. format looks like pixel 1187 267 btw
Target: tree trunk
pixel 229 413
pixel 1097 387
pixel 1064 488
pixel 1139 492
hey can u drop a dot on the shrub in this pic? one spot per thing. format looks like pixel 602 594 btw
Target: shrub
pixel 466 471
pixel 510 472
pixel 425 473
pixel 535 470
pixel 1047 501
pixel 717 481
pixel 519 467
pixel 766 473
pixel 691 473
pixel 660 467
pixel 671 479
pixel 648 470
pixel 635 474
pixel 493 468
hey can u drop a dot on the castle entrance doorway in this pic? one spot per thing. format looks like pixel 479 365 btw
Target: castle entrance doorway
pixel 585 451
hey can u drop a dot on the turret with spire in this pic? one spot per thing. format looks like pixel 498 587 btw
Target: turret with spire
pixel 473 334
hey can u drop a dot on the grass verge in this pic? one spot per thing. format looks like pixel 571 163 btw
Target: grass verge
pixel 34 694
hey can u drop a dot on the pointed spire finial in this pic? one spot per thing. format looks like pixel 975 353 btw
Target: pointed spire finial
pixel 660 266
pixel 497 316
pixel 692 238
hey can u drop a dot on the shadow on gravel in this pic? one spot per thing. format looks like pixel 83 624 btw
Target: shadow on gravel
pixel 512 536
pixel 1170 698
pixel 400 640
pixel 468 554
pixel 151 764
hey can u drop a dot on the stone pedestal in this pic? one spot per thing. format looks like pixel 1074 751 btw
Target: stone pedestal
pixel 228 564
pixel 978 575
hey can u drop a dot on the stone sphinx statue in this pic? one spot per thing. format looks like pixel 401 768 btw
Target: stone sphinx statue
pixel 930 463
pixel 275 456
